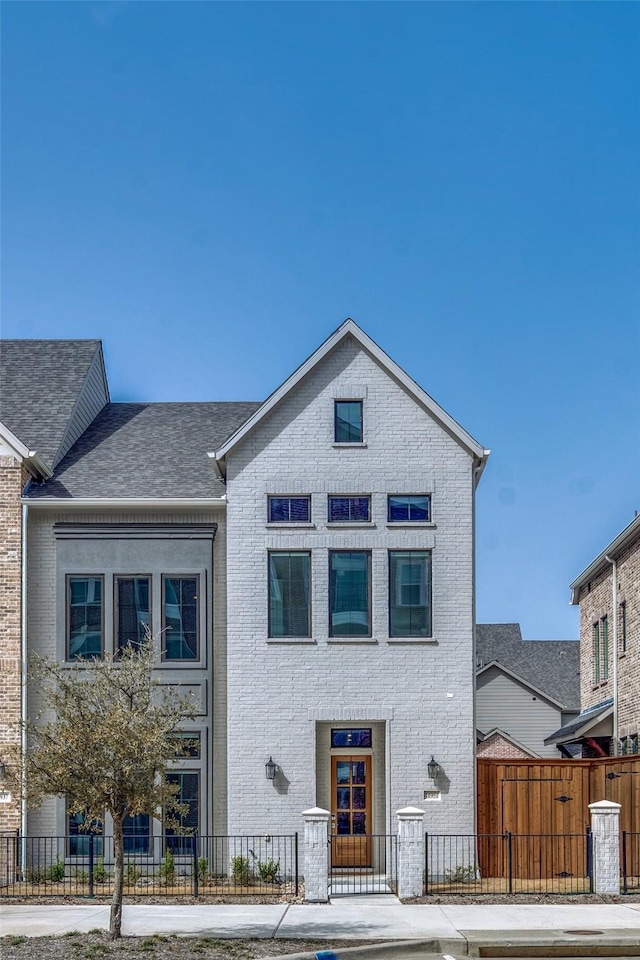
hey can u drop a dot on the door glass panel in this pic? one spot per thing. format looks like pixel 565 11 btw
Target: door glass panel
pixel 342 772
pixel 358 798
pixel 359 825
pixel 343 823
pixel 358 775
pixel 343 798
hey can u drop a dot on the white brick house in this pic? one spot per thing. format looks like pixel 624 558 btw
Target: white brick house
pixel 326 541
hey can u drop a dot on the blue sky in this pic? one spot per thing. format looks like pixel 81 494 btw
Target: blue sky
pixel 212 188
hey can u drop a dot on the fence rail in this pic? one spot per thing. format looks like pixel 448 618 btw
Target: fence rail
pixel 630 861
pixel 509 863
pixel 190 866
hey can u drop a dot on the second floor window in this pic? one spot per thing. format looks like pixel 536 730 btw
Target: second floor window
pixel 349 509
pixel 180 600
pixel 290 594
pixel 412 508
pixel 350 593
pixel 289 509
pixel 84 617
pixel 409 593
pixel 596 652
pixel 604 643
pixel 133 611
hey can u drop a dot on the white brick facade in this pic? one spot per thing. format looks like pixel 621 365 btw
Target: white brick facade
pixel 419 691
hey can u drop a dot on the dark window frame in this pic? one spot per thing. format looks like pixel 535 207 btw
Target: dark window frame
pixel 350 497
pixel 75 835
pixel 595 638
pixel 117 647
pixel 186 841
pixel 348 730
pixel 290 636
pixel 199 618
pixel 353 636
pixel 286 496
pixel 429 591
pixel 82 576
pixel 623 625
pixel 336 404
pixel 181 736
pixel 148 836
pixel 604 646
pixel 409 496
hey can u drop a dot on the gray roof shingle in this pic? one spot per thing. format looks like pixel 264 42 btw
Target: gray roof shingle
pixel 154 450
pixel 553 666
pixel 40 381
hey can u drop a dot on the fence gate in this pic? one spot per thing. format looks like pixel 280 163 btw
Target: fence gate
pixel 368 865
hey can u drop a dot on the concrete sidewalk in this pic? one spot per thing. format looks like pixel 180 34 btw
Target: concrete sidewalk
pixel 357 918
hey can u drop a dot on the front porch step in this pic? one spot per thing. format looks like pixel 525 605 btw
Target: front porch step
pixel 349 885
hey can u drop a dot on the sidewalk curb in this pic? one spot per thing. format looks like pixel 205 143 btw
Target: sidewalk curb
pixel 380 951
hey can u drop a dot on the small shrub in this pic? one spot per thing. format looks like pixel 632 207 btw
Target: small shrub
pixel 462 875
pixel 80 875
pixel 132 874
pixel 267 870
pixel 56 871
pixel 100 872
pixel 16 941
pixel 168 868
pixel 240 870
pixel 36 875
pixel 203 869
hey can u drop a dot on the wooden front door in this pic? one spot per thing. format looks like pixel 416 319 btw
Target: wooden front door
pixel 351 808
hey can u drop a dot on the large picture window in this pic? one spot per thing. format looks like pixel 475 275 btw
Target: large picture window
pixel 181 844
pixel 409 593
pixel 180 601
pixel 350 594
pixel 84 617
pixel 290 594
pixel 132 611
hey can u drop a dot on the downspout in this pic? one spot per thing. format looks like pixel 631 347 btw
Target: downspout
pixel 23 685
pixel 615 653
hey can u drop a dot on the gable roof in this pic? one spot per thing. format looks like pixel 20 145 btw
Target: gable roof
pixel 514 676
pixel 40 382
pixel 582 724
pixel 550 666
pixel 346 329
pixel 145 451
pixel 613 550
pixel 498 732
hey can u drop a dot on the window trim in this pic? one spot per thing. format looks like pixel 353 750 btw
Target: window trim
pixel 413 523
pixel 198 577
pixel 352 637
pixel 83 576
pixel 429 590
pixel 290 637
pixel 288 496
pixel 117 649
pixel 349 496
pixel 604 647
pixel 348 443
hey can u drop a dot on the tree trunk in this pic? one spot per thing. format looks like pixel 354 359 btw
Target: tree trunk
pixel 115 919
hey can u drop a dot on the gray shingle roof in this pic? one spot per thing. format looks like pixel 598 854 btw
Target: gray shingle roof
pixel 574 729
pixel 147 450
pixel 40 381
pixel 552 666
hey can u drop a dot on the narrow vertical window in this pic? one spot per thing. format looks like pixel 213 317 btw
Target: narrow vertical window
pixel 188 783
pixel 84 617
pixel 348 421
pixel 79 832
pixel 349 594
pixel 136 832
pixel 623 626
pixel 409 593
pixel 596 653
pixel 290 594
pixel 604 641
pixel 180 617
pixel 132 606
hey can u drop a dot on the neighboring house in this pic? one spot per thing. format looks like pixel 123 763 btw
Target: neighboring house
pixel 525 689
pixel 608 594
pixel 310 561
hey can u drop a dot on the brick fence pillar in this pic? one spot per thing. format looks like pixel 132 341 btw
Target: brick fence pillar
pixel 410 852
pixel 605 828
pixel 316 838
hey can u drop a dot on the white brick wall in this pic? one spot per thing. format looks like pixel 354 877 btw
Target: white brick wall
pixel 277 692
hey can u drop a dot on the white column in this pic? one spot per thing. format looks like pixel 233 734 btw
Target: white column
pixel 410 852
pixel 605 828
pixel 316 870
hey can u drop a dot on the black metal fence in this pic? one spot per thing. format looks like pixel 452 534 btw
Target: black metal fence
pixel 363 864
pixel 509 863
pixel 630 861
pixel 196 866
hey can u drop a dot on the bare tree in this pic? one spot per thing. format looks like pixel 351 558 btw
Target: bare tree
pixel 103 741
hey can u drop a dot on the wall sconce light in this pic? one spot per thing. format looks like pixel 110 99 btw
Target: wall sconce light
pixel 270 769
pixel 433 768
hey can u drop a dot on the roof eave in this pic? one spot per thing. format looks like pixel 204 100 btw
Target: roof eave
pixel 31 457
pixel 615 547
pixel 115 502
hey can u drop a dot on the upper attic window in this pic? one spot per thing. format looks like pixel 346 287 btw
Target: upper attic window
pixel 348 421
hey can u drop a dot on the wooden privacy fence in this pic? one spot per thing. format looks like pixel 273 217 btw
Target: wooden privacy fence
pixel 551 798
